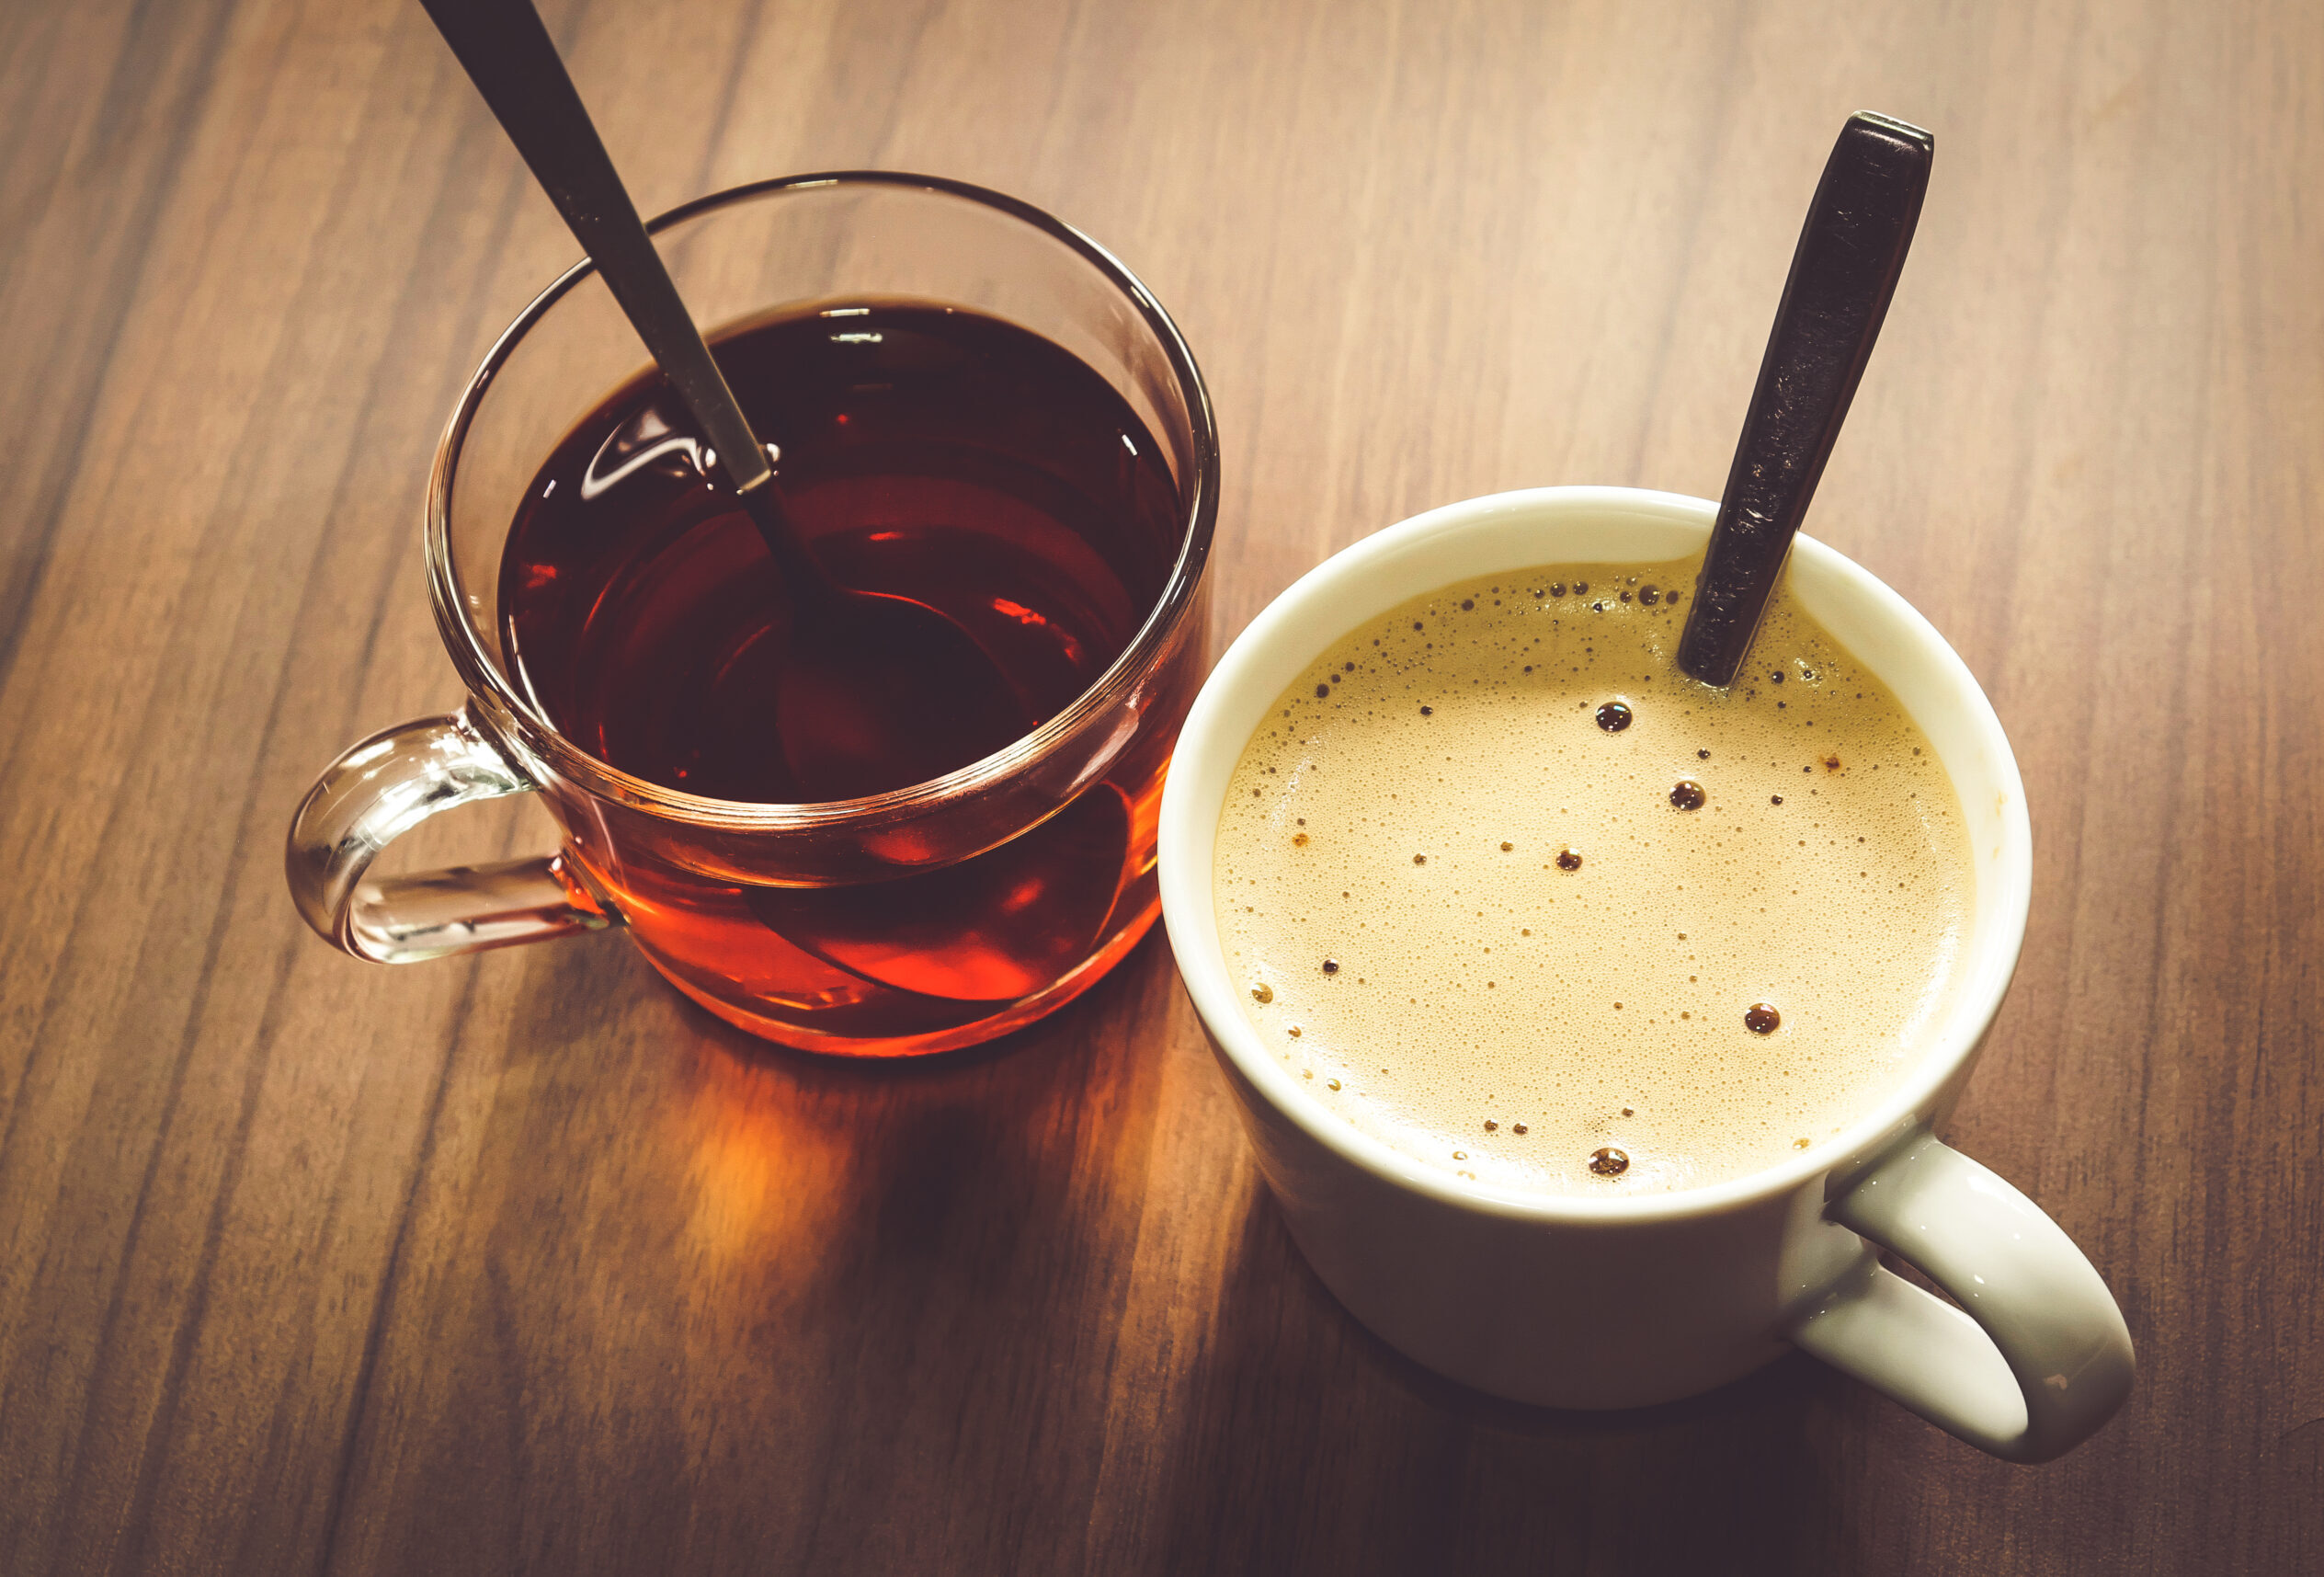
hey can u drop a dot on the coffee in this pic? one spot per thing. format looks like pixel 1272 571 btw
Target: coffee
pixel 1525 903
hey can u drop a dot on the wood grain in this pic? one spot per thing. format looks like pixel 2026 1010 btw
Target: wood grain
pixel 518 1263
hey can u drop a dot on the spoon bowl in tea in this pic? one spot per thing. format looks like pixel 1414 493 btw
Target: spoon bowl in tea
pixel 876 691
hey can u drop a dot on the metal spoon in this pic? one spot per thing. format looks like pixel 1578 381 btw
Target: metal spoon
pixel 1852 250
pixel 876 691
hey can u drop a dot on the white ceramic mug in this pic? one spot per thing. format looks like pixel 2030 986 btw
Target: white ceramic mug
pixel 1626 1301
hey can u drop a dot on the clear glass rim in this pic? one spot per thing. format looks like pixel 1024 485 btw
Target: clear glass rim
pixel 1198 519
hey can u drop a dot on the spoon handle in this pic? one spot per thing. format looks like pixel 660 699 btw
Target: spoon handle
pixel 1851 251
pixel 510 58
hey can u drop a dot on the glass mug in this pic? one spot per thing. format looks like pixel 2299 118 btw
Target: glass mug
pixel 916 921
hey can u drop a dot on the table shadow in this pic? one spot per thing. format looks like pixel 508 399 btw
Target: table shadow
pixel 1297 1441
pixel 1309 1445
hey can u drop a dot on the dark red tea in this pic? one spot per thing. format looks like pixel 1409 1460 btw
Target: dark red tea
pixel 925 452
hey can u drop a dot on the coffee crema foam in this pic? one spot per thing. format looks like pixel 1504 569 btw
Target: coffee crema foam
pixel 1526 903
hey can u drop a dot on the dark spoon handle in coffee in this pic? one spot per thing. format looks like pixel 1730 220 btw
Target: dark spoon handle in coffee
pixel 509 56
pixel 1852 249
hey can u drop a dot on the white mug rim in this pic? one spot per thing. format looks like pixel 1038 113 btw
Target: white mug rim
pixel 1188 818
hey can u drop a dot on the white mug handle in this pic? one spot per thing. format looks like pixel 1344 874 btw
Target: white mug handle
pixel 2052 1361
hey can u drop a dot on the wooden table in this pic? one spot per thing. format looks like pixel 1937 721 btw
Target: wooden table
pixel 521 1263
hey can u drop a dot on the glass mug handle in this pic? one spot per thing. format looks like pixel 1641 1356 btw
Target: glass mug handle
pixel 380 789
pixel 2041 1359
